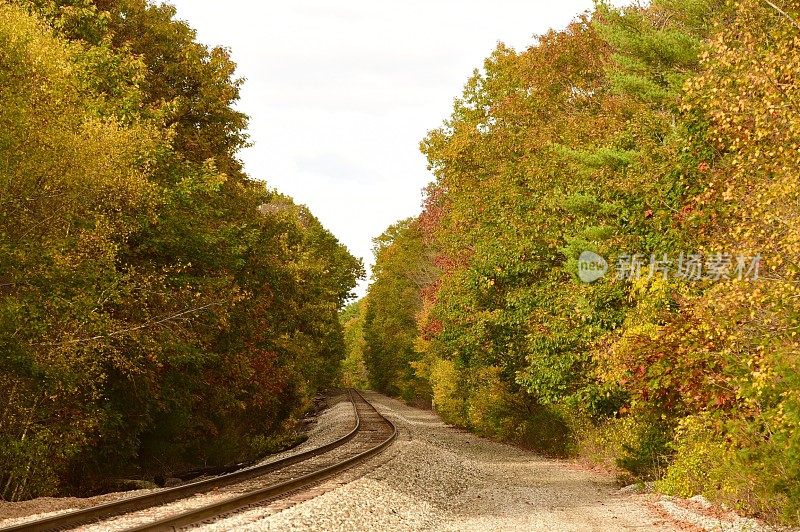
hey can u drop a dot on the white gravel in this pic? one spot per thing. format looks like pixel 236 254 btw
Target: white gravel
pixel 333 423
pixel 436 477
pixel 439 478
pixel 699 513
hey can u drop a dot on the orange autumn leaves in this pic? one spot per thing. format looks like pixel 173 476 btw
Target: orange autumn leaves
pixel 665 129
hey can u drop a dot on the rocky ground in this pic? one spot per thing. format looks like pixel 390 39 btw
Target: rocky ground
pixel 436 477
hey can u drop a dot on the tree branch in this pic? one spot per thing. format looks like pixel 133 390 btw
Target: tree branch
pixel 784 13
pixel 133 329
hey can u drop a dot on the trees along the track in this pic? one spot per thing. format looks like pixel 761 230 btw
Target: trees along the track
pixel 159 309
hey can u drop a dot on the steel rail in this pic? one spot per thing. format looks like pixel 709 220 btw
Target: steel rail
pixel 269 492
pixel 101 512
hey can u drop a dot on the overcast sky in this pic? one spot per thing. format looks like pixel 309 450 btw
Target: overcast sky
pixel 341 93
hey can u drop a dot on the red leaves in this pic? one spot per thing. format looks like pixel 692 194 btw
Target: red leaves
pixel 431 329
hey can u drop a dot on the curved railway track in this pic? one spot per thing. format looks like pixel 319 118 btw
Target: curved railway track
pixel 371 434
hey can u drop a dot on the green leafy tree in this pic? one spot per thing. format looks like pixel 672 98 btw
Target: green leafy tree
pixel 660 129
pixel 402 267
pixel 159 309
pixel 354 369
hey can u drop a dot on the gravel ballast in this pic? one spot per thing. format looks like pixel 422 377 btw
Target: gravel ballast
pixel 436 477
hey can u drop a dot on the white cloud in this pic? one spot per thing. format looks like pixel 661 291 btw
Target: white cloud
pixel 340 94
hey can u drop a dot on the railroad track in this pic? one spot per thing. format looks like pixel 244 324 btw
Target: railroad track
pixel 371 434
